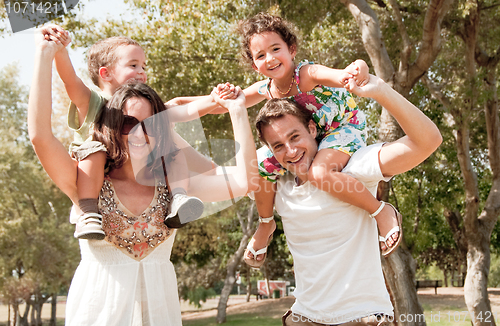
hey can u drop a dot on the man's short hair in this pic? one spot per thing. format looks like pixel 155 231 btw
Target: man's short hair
pixel 103 54
pixel 277 108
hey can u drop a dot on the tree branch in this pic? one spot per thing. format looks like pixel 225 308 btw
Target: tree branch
pixel 407 47
pixel 372 38
pixel 443 99
pixel 431 39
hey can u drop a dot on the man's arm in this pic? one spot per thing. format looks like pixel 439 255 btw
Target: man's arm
pixel 422 135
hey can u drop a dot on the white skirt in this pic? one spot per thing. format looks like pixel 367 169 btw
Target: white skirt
pixel 110 288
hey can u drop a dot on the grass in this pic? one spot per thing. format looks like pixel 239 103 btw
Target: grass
pixel 436 314
pixel 59 322
pixel 448 316
pixel 236 320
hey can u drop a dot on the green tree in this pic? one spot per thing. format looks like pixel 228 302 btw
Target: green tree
pixel 35 236
pixel 191 47
pixel 469 96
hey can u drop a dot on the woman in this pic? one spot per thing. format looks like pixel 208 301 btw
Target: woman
pixel 128 279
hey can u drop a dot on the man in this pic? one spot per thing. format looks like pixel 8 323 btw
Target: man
pixel 334 245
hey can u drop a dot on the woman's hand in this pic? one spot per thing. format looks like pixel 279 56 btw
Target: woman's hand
pixel 55 33
pixel 229 104
pixel 47 44
pixel 227 91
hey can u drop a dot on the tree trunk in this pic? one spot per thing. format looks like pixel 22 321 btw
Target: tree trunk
pixel 23 320
pixel 15 309
pixel 399 269
pixel 226 291
pixel 249 286
pixel 478 228
pixel 234 262
pixel 38 312
pixel 53 311
pixel 230 280
pixel 266 278
pixel 476 282
pixel 33 316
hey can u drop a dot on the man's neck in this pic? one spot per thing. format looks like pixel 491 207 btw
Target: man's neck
pixel 300 181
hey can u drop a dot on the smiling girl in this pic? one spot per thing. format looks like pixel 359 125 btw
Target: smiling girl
pixel 269 46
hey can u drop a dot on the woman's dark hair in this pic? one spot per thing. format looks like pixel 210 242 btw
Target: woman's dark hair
pixel 109 123
pixel 261 23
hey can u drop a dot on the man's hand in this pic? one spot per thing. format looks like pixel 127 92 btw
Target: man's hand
pixel 371 89
pixel 359 72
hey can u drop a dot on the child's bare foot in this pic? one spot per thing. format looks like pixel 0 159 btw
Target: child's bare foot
pixel 260 240
pixel 386 221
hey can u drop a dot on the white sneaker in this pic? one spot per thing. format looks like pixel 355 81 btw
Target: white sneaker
pixel 183 209
pixel 89 226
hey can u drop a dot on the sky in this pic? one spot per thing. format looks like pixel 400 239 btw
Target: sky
pixel 19 47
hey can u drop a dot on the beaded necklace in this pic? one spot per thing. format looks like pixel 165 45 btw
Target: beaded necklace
pixel 289 88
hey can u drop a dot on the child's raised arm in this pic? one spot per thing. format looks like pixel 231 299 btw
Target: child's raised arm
pixel 312 75
pixel 77 91
pixel 192 110
pixel 181 100
pixel 184 109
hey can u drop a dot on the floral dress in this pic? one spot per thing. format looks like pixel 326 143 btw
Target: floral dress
pixel 128 278
pixel 339 122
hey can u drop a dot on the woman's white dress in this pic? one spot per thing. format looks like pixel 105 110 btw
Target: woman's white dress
pixel 126 279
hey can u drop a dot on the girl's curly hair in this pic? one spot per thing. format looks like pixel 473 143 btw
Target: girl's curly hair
pixel 261 23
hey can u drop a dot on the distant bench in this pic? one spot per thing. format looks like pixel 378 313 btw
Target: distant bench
pixel 257 294
pixel 429 284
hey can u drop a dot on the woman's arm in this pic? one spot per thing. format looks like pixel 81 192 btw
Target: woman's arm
pixel 422 135
pixel 232 181
pixel 196 162
pixel 51 153
pixel 191 108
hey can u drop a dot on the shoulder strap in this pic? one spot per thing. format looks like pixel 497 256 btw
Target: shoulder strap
pixel 297 71
pixel 268 87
